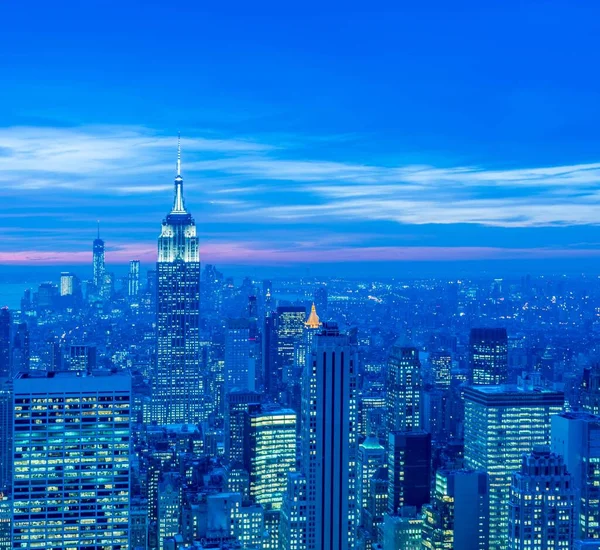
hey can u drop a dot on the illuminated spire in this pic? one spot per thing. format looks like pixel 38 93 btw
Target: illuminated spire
pixel 98 228
pixel 313 318
pixel 179 153
pixel 179 206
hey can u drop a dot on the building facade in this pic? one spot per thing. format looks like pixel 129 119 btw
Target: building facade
pixel 488 351
pixel 501 423
pixel 329 441
pixel 542 503
pixel 71 449
pixel 177 388
pixel 404 388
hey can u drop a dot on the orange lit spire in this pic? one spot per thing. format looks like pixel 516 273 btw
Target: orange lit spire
pixel 313 318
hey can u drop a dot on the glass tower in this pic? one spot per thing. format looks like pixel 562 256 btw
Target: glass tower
pixel 71 448
pixel 270 453
pixel 501 423
pixel 177 385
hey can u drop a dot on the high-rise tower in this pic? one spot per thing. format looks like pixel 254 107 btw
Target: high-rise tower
pixel 404 388
pixel 329 441
pixel 98 250
pixel 488 350
pixel 177 385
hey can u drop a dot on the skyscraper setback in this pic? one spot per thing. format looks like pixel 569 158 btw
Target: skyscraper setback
pixel 177 385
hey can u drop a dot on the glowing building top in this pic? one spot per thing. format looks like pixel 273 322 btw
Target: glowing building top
pixel 178 240
pixel 313 318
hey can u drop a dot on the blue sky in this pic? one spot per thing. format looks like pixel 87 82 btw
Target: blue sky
pixel 313 133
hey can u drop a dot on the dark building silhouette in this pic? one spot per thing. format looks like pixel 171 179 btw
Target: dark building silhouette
pixel 409 469
pixel 5 342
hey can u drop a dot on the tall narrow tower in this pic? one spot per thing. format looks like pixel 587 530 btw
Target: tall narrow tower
pixel 177 384
pixel 329 441
pixel 98 259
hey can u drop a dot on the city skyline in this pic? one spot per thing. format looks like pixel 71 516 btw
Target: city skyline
pixel 424 158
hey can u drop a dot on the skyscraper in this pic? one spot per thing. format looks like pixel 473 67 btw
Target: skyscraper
pixel 5 352
pixel 590 389
pixel 6 423
pixel 329 427
pixel 576 437
pixel 541 506
pixel 458 515
pixel 98 261
pixel 71 479
pixel 67 283
pixel 239 366
pixel 82 358
pixel 371 456
pixel 270 453
pixel 441 365
pixel 21 349
pixel 237 403
pixel 133 289
pixel 488 349
pixel 178 386
pixel 501 423
pixel 404 387
pixel 293 528
pixel 290 331
pixel 409 470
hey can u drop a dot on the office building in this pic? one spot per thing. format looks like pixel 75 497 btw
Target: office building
pixel 82 358
pixel 98 261
pixel 488 350
pixel 71 477
pixel 590 389
pixel 133 280
pixel 329 441
pixel 293 522
pixel 168 507
pixel 239 365
pixel 67 283
pixel 371 456
pixel 541 503
pixel 6 423
pixel 576 437
pixel 5 351
pixel 441 369
pixel 5 520
pixel 270 453
pixel 290 332
pixel 409 470
pixel 501 423
pixel 403 530
pixel 21 349
pixel 177 387
pixel 237 405
pixel 404 387
pixel 458 515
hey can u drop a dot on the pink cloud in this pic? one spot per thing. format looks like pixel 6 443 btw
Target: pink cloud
pixel 257 254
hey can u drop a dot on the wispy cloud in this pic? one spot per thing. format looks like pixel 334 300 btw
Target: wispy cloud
pixel 67 177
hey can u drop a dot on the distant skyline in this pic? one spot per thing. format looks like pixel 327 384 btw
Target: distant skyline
pixel 455 133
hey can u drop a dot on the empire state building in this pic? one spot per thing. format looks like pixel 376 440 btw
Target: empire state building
pixel 177 385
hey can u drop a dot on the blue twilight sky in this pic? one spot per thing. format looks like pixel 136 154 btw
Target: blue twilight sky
pixel 311 132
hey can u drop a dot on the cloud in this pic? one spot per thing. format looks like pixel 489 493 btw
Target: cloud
pixel 253 253
pixel 58 181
